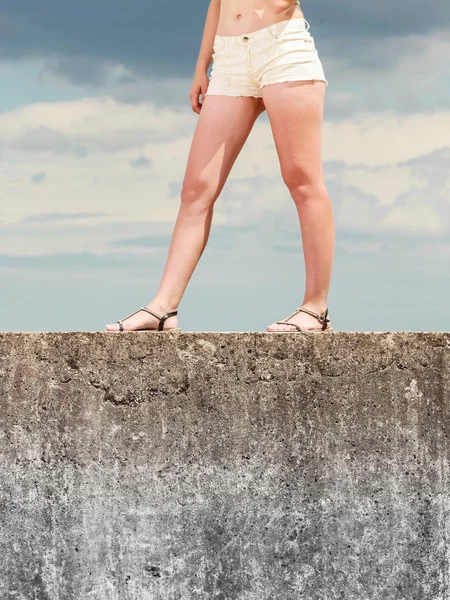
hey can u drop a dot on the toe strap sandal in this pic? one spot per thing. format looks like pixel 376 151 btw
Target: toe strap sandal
pixel 321 318
pixel 160 319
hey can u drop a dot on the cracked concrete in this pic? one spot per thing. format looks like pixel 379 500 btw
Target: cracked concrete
pixel 229 466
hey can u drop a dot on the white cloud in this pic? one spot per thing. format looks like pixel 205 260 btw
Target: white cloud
pixel 98 124
pixel 404 73
pixel 416 217
pixel 372 185
pixel 385 139
pixel 386 183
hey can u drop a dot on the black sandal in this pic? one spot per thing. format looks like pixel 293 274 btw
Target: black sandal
pixel 160 324
pixel 321 318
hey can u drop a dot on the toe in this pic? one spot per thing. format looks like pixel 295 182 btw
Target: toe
pixel 112 327
pixel 279 327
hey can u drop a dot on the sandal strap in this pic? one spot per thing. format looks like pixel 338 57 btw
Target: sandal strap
pixel 293 314
pixel 160 319
pixel 164 317
pixel 322 318
pixel 120 321
pixel 151 312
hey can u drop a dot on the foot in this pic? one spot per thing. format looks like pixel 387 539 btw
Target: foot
pixel 304 320
pixel 144 320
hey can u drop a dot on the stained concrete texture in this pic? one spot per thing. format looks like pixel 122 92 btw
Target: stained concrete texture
pixel 226 466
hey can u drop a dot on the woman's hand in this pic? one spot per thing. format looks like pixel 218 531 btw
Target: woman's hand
pixel 199 86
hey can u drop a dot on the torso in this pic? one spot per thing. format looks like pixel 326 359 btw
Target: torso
pixel 243 16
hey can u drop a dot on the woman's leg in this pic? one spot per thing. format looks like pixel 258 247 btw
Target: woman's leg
pixel 295 111
pixel 223 126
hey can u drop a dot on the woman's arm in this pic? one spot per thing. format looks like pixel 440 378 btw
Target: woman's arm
pixel 279 7
pixel 201 79
pixel 209 31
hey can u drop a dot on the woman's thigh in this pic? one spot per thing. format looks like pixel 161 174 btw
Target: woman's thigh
pixel 295 111
pixel 223 126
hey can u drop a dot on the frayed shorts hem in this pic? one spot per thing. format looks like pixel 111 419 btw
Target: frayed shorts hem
pixel 258 94
pixel 245 95
pixel 293 79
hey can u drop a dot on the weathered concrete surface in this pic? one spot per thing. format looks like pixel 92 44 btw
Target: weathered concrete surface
pixel 224 466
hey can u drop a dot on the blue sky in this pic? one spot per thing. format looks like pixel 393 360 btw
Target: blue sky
pixel 95 129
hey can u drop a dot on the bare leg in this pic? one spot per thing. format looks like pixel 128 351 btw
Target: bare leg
pixel 295 111
pixel 223 126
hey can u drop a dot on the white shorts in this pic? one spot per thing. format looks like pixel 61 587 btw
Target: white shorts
pixel 284 51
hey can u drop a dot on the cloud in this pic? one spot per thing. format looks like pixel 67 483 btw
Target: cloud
pixel 87 35
pixel 404 73
pixel 92 124
pixel 83 263
pixel 410 198
pixel 140 162
pixel 383 139
pixel 350 18
pixel 113 163
pixel 59 217
pixel 424 209
pixel 143 241
pixel 142 49
pixel 38 177
pixel 386 175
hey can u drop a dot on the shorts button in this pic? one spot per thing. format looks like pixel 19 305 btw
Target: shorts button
pixel 245 38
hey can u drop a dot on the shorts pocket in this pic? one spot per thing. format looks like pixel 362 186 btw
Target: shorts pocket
pixel 295 36
pixel 291 34
pixel 295 42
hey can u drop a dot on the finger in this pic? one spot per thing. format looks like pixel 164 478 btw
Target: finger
pixel 196 106
pixel 192 101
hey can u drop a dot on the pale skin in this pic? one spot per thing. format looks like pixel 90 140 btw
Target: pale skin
pixel 295 111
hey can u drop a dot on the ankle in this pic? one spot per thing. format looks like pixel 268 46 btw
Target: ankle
pixel 162 306
pixel 316 305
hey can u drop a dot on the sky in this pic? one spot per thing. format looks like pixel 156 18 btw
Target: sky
pixel 95 129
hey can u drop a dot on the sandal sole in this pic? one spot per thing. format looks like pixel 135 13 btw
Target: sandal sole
pixel 328 330
pixel 175 329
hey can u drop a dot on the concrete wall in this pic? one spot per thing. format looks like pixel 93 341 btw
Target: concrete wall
pixel 224 466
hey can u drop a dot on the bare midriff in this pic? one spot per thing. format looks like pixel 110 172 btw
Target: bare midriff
pixel 244 16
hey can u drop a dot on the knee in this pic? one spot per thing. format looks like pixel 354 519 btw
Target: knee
pixel 197 194
pixel 304 186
